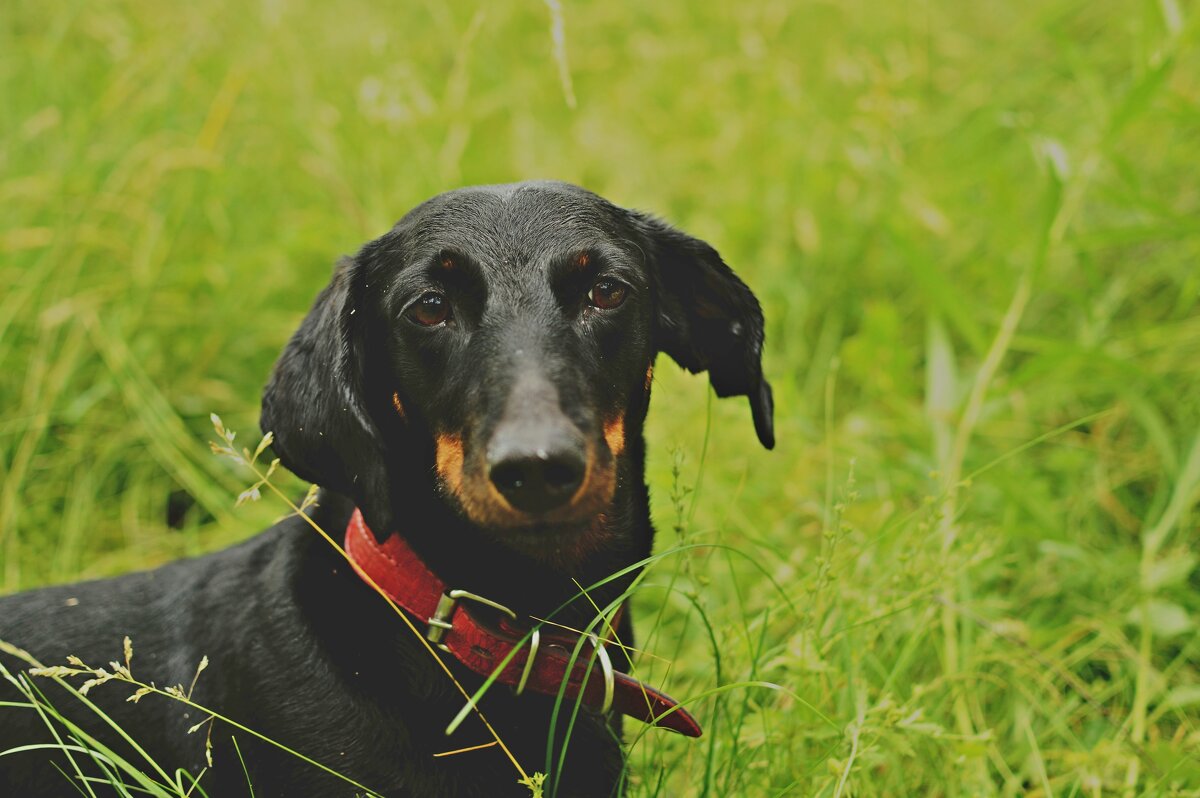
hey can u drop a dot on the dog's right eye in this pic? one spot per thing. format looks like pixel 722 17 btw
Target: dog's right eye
pixel 430 310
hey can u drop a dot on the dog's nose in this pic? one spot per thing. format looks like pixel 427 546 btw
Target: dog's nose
pixel 537 479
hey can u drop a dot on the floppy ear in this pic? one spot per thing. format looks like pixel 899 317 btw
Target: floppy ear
pixel 706 318
pixel 314 405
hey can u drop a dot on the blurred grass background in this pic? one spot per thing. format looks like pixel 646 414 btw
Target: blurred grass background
pixel 975 229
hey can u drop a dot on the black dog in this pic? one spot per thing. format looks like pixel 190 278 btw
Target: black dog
pixel 476 380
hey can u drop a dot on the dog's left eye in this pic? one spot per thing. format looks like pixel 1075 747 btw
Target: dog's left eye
pixel 431 309
pixel 608 293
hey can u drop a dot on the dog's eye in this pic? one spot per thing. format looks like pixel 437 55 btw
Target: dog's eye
pixel 431 309
pixel 608 293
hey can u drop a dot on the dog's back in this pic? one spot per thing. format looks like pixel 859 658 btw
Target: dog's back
pixel 175 615
pixel 299 651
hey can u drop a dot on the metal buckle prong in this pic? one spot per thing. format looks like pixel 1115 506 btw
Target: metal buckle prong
pixel 439 623
pixel 535 640
pixel 606 668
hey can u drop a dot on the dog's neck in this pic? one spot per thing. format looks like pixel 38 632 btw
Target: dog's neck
pixel 467 557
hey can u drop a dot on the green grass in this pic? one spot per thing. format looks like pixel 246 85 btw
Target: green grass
pixel 975 228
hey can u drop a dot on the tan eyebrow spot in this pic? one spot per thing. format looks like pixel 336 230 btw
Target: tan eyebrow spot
pixel 614 434
pixel 449 452
pixel 399 407
pixel 582 260
pixel 448 262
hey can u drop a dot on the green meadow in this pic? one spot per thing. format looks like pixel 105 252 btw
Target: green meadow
pixel 969 567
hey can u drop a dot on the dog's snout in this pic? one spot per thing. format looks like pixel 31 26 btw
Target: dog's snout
pixel 536 476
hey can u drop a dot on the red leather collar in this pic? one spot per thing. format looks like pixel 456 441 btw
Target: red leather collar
pixel 480 646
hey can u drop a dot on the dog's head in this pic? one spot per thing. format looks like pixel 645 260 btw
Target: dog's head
pixel 502 339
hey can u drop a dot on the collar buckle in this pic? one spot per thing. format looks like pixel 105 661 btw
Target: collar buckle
pixel 550 668
pixel 441 621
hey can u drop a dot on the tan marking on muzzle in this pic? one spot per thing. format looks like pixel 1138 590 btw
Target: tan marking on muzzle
pixel 649 376
pixel 614 434
pixel 449 452
pixel 399 407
